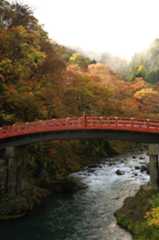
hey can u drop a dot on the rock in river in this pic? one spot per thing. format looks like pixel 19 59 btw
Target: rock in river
pixel 137 167
pixel 119 172
pixel 144 169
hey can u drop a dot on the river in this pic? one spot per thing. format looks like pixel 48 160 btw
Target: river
pixel 87 214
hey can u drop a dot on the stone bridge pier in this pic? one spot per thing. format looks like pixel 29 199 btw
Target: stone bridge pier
pixel 153 152
pixel 11 182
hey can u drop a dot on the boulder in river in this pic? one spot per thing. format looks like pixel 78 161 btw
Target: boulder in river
pixel 110 164
pixel 144 169
pixel 93 166
pixel 119 172
pixel 91 170
pixel 137 167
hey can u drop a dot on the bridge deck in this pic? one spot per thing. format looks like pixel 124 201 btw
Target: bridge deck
pixel 80 123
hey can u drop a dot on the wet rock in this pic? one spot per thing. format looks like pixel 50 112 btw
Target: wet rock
pixel 119 172
pixel 91 170
pixel 101 165
pixel 144 169
pixel 148 171
pixel 93 165
pixel 141 157
pixel 110 164
pixel 137 167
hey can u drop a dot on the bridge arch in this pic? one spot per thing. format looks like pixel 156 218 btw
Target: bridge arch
pixel 84 127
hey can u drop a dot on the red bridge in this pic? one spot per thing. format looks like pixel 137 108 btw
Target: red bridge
pixel 84 127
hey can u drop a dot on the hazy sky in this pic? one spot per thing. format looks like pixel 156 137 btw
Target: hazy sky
pixel 121 27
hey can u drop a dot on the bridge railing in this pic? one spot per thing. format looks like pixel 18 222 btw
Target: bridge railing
pixel 121 122
pixel 83 122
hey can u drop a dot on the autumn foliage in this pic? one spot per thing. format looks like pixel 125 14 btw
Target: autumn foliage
pixel 40 79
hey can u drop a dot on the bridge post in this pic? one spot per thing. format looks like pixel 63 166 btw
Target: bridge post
pixel 11 170
pixel 7 171
pixel 154 165
pixel 3 172
pixel 84 119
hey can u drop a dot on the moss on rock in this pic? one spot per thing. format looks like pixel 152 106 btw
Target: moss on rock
pixel 133 215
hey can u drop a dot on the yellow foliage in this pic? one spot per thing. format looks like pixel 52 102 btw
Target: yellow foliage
pixel 140 68
pixel 21 31
pixel 74 57
pixel 145 92
pixel 152 217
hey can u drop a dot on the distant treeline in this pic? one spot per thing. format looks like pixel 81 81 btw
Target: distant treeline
pixel 144 64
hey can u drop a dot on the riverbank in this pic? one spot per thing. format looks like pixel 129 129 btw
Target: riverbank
pixel 140 214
